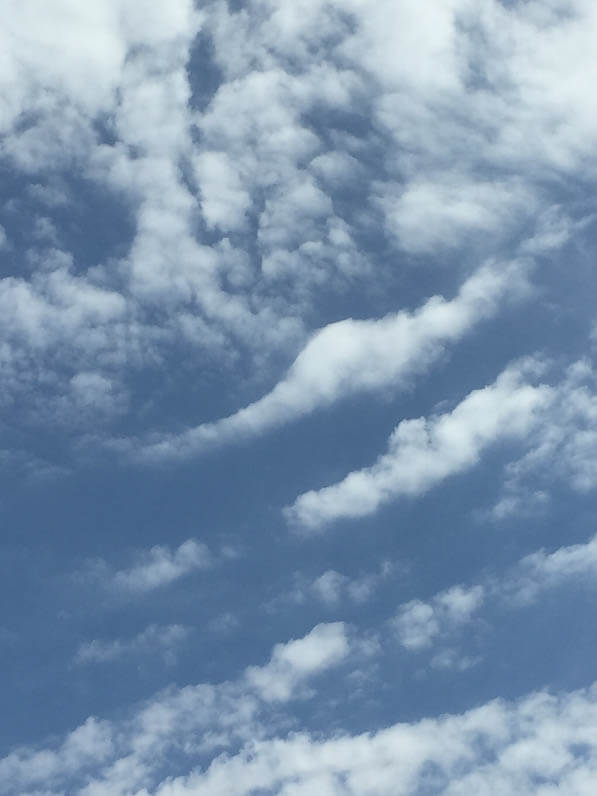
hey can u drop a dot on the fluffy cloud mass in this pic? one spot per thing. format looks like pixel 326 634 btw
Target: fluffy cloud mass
pixel 423 452
pixel 497 747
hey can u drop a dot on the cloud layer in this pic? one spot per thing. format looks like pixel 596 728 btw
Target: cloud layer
pixel 239 227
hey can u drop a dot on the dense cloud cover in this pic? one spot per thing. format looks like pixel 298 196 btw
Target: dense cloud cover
pixel 299 397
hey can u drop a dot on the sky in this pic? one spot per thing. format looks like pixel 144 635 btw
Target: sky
pixel 299 397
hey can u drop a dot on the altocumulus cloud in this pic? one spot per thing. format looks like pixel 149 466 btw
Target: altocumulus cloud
pixel 346 249
pixel 423 452
pixel 498 746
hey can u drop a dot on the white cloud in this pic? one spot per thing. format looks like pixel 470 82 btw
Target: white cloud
pixel 541 570
pixel 239 729
pixel 480 92
pixel 160 566
pixel 325 646
pixel 154 640
pixel 154 568
pixel 496 748
pixel 437 624
pixel 495 73
pixel 262 149
pixel 560 448
pixel 224 200
pixel 422 625
pixel 332 587
pixel 125 756
pixel 419 623
pixel 424 452
pixel 541 744
pixel 89 744
pixel 431 215
pixel 352 356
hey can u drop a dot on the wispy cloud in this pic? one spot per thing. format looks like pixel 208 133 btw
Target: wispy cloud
pixel 334 589
pixel 160 566
pixel 152 569
pixel 154 640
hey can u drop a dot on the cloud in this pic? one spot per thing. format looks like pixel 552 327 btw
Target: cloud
pixel 119 757
pixel 421 625
pixel 239 729
pixel 89 744
pixel 238 212
pixel 431 215
pixel 224 199
pixel 318 170
pixel 541 570
pixel 325 646
pixel 329 586
pixel 497 747
pixel 352 356
pixel 559 449
pixel 418 623
pixel 154 568
pixel 154 640
pixel 332 587
pixel 160 566
pixel 423 452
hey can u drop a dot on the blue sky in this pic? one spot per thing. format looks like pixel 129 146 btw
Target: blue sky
pixel 299 397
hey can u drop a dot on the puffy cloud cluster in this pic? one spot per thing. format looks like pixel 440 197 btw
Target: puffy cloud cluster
pixel 423 452
pixel 237 202
pixel 196 721
pixel 542 743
